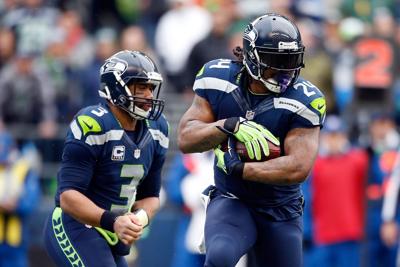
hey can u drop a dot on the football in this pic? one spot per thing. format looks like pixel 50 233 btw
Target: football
pixel 274 152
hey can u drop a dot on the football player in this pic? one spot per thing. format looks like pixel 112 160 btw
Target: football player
pixel 256 206
pixel 109 180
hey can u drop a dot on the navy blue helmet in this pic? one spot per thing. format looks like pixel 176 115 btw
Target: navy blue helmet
pixel 121 70
pixel 273 41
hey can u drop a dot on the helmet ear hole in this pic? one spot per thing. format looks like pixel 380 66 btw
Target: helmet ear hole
pixel 122 99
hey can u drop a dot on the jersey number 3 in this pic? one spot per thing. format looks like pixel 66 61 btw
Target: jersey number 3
pixel 135 172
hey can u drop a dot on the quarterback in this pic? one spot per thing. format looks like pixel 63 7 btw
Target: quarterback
pixel 256 207
pixel 110 175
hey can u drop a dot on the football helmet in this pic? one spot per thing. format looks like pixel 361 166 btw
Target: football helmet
pixel 273 41
pixel 121 70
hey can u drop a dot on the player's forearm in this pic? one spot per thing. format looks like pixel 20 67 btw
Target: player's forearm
pixel 151 205
pixel 80 207
pixel 197 136
pixel 284 170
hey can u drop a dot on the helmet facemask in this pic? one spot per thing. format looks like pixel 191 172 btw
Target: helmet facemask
pixel 287 65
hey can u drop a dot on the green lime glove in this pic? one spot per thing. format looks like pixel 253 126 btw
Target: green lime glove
pixel 229 161
pixel 253 135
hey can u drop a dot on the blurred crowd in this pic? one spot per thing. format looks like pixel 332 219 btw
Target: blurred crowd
pixel 51 52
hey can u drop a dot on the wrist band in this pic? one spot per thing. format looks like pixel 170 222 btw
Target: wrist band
pixel 229 125
pixel 107 220
pixel 141 214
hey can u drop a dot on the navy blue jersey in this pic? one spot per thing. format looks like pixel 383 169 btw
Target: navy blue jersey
pixel 223 84
pixel 107 164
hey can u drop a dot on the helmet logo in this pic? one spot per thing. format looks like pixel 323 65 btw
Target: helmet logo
pixel 114 64
pixel 288 46
pixel 250 34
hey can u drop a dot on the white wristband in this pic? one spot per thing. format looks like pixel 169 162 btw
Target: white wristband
pixel 141 214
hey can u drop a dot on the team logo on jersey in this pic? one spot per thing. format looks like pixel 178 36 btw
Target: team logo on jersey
pixel 118 153
pixel 136 153
pixel 250 114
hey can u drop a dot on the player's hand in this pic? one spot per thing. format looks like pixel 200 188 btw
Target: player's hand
pixel 229 161
pixel 253 135
pixel 127 230
pixel 389 233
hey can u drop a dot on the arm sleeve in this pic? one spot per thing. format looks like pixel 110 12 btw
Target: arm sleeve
pixel 78 162
pixel 151 184
pixel 391 195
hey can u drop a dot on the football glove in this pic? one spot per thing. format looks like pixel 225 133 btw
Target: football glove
pixel 253 135
pixel 229 161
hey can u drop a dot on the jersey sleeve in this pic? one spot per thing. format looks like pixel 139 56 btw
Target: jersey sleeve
pixel 150 186
pixel 80 152
pixel 310 107
pixel 213 81
pixel 76 167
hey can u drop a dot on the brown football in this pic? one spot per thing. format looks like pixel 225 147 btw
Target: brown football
pixel 274 152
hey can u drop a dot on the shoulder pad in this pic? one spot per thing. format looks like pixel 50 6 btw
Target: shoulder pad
pixel 159 130
pixel 88 124
pixel 94 121
pixel 219 74
pixel 304 97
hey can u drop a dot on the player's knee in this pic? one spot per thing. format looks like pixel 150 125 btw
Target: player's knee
pixel 222 252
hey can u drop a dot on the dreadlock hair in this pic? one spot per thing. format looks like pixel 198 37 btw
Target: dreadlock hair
pixel 238 52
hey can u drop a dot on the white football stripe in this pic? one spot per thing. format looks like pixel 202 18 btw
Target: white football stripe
pixel 298 108
pixel 160 137
pixel 214 83
pixel 112 135
pixel 76 131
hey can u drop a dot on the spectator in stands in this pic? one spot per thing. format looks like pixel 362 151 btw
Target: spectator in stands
pixel 32 24
pixel 78 45
pixel 7 46
pixel 182 167
pixel 190 174
pixel 319 63
pixel 134 38
pixel 106 45
pixel 214 45
pixel 375 70
pixel 384 142
pixel 178 30
pixel 336 199
pixel 19 192
pixel 27 95
pixel 390 211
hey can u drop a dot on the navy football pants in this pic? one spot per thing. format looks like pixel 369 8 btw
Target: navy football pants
pixel 232 229
pixel 70 243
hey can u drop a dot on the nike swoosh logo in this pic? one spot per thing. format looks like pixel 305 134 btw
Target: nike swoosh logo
pixel 320 106
pixel 87 125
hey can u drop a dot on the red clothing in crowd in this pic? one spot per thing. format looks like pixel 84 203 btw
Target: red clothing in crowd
pixel 338 197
